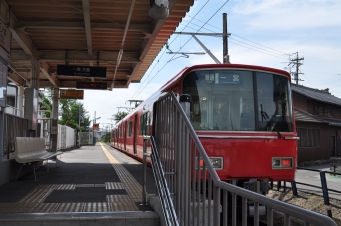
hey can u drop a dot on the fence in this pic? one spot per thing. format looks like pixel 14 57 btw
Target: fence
pixel 198 198
pixel 86 138
pixel 324 187
pixel 18 127
pixel 14 127
pixel 66 137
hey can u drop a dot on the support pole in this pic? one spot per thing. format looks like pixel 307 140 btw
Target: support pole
pixel 226 57
pixel 324 187
pixel 294 188
pixel 54 121
pixel 144 187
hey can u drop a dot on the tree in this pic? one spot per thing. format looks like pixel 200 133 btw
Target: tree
pixel 120 115
pixel 46 103
pixel 106 137
pixel 74 115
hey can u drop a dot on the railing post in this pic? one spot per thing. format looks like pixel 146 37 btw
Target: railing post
pixel 324 187
pixel 144 198
pixel 294 188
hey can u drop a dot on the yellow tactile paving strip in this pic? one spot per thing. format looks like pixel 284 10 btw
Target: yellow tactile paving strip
pixel 33 201
pixel 134 189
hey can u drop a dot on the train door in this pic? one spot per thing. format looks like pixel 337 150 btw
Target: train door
pixel 125 135
pixel 135 134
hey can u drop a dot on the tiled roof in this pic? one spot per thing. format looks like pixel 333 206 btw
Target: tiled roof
pixel 315 94
pixel 302 116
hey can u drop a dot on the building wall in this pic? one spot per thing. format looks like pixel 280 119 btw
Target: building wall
pixel 300 102
pixel 338 141
pixel 324 151
pixel 336 112
pixel 321 152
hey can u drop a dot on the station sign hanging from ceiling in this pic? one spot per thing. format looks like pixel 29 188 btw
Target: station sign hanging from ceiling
pixel 91 85
pixel 82 71
pixel 71 94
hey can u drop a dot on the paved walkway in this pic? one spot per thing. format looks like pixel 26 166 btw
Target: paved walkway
pixel 88 179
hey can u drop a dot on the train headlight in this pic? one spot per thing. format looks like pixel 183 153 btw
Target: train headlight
pixel 282 163
pixel 216 162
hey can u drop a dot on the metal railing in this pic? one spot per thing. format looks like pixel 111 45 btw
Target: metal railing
pixel 13 110
pixel 202 198
pixel 324 188
pixel 14 127
pixel 162 187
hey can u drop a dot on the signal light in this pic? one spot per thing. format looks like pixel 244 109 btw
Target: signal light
pixel 216 162
pixel 286 162
pixel 282 163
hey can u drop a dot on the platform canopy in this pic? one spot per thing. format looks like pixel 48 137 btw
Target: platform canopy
pixel 118 35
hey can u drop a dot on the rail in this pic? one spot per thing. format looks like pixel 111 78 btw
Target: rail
pixel 183 161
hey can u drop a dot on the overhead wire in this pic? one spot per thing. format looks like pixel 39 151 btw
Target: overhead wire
pixel 164 53
pixel 186 42
pixel 266 51
pixel 243 38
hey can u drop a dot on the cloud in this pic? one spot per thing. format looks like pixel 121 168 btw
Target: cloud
pixel 289 14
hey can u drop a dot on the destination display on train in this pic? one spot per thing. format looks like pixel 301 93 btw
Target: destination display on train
pixel 222 78
pixel 83 71
pixel 91 85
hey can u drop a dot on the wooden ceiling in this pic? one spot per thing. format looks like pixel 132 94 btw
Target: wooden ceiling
pixel 116 34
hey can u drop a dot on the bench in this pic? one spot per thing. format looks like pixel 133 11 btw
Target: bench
pixel 32 149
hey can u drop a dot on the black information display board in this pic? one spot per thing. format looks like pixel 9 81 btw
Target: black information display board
pixel 91 85
pixel 83 71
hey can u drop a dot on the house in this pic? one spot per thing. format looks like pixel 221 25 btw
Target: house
pixel 318 123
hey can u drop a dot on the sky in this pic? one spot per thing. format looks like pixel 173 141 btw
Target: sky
pixel 263 32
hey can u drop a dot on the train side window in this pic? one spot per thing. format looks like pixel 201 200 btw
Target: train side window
pixel 130 128
pixel 144 123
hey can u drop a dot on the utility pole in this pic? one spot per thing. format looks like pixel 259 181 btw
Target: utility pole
pixel 296 62
pixel 226 57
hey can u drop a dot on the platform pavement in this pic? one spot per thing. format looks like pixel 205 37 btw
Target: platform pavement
pixel 81 179
pixel 313 178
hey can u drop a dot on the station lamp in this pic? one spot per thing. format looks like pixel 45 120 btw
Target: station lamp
pixel 159 9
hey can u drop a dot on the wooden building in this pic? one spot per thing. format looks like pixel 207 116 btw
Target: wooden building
pixel 318 123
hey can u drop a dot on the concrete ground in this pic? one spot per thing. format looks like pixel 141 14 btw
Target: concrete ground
pixel 97 181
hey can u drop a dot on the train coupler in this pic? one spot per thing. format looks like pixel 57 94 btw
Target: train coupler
pixel 259 186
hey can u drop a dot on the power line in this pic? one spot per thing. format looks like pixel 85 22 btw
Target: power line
pixel 243 38
pixel 165 51
pixel 185 43
pixel 257 50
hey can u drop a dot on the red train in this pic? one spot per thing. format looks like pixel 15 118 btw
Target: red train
pixel 242 114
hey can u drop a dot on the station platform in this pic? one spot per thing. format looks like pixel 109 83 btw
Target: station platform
pixel 92 184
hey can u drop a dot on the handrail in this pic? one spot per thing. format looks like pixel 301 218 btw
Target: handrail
pixel 166 199
pixel 180 151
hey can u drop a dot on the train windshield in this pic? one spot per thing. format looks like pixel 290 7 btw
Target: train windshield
pixel 236 100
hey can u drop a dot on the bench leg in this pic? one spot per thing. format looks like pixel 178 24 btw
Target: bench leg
pixel 34 170
pixel 47 166
pixel 19 172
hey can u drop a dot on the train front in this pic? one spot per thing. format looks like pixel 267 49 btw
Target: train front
pixel 243 116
